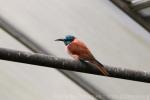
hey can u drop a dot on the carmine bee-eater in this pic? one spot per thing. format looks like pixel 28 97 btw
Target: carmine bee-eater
pixel 79 51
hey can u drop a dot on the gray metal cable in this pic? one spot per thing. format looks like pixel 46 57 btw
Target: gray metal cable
pixel 72 65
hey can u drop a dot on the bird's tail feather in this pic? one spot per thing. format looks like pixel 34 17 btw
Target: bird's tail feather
pixel 100 67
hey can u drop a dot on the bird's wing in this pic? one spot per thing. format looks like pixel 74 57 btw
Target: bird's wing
pixel 79 48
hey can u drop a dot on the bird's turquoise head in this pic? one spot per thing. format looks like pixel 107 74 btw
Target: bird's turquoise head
pixel 67 40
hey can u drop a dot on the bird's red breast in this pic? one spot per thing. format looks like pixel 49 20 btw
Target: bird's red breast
pixel 78 49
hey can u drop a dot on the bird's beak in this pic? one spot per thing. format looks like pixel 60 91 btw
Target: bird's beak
pixel 59 40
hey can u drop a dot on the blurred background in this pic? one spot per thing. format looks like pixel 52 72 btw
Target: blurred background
pixel 116 31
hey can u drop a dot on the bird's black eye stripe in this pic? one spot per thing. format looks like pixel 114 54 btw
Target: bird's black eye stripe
pixel 68 39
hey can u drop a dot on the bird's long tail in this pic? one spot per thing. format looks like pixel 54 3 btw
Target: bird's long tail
pixel 100 67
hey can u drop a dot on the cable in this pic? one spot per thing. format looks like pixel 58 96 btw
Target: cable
pixel 72 65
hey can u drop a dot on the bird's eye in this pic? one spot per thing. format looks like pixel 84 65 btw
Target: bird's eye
pixel 68 39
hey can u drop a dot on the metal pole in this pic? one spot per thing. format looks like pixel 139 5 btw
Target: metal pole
pixel 72 65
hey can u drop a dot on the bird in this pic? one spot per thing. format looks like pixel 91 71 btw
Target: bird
pixel 79 51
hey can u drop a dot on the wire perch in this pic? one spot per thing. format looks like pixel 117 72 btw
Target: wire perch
pixel 72 65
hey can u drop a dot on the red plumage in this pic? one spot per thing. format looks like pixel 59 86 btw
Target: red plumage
pixel 79 50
